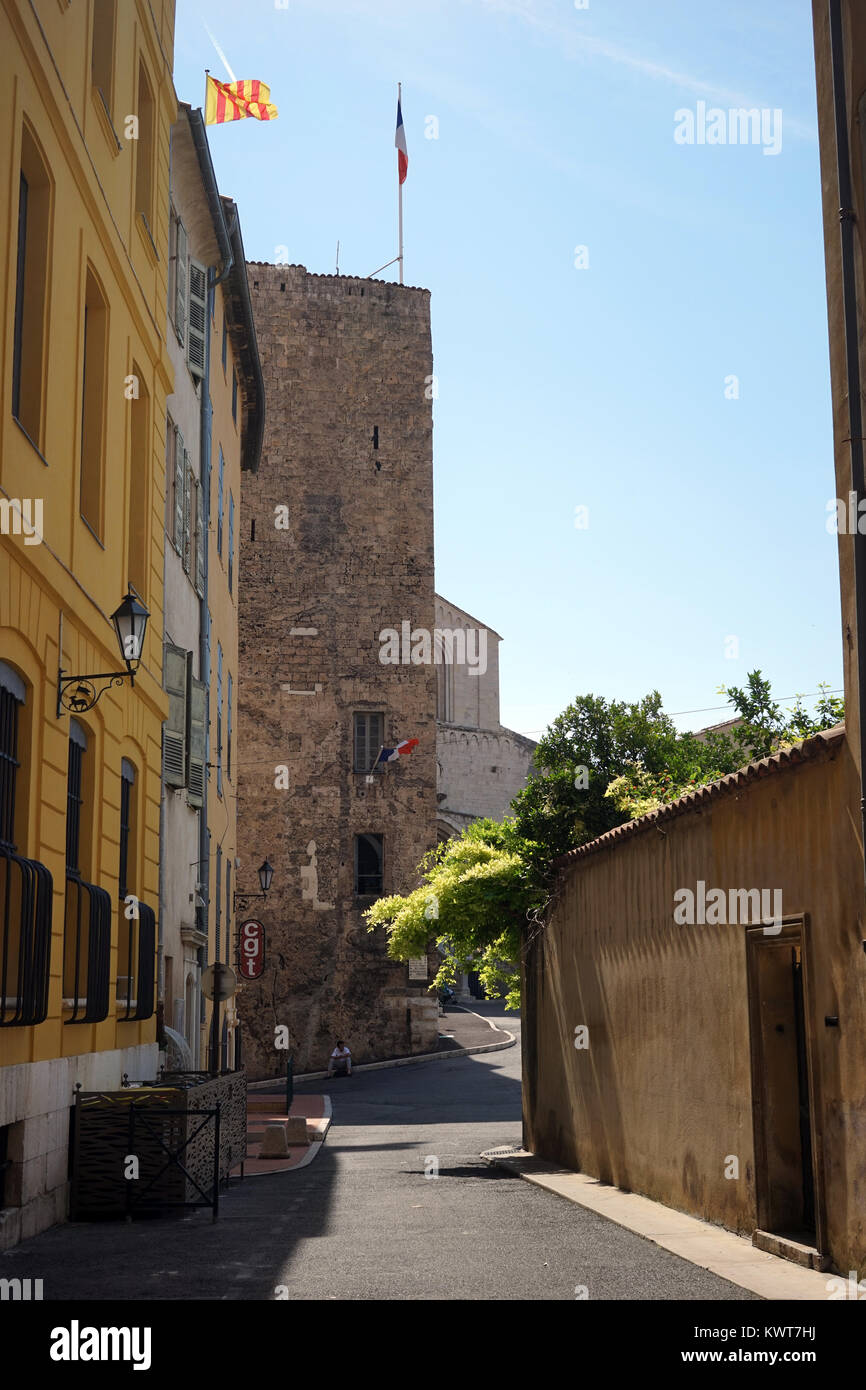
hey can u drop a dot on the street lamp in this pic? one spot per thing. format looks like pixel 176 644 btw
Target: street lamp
pixel 79 693
pixel 266 874
pixel 130 624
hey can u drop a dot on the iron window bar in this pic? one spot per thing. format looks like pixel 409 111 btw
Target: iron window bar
pixel 27 891
pixel 86 950
pixel 140 958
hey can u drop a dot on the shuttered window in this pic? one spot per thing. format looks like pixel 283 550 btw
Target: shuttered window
pixel 197 742
pixel 178 490
pixel 188 512
pixel 199 538
pixel 197 319
pixel 174 730
pixel 219 720
pixel 229 730
pixel 180 278
pixel 220 479
pixel 231 540
pixel 369 735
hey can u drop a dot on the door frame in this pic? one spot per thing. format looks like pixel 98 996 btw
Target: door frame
pixel 796 930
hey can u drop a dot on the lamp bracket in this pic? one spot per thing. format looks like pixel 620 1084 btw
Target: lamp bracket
pixel 76 694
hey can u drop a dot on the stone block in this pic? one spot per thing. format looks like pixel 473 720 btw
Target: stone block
pixel 274 1142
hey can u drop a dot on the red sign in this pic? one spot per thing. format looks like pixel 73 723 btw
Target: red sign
pixel 251 950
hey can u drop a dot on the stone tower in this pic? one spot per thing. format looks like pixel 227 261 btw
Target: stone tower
pixel 336 546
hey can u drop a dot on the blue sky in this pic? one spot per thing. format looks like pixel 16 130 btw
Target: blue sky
pixel 561 387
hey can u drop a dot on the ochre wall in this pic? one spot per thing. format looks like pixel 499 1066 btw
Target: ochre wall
pixel 663 1093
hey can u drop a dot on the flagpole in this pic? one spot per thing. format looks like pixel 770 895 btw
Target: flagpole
pixel 400 188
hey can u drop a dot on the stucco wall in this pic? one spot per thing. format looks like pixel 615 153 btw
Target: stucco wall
pixel 662 1095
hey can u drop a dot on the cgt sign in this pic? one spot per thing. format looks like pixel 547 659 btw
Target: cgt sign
pixel 251 950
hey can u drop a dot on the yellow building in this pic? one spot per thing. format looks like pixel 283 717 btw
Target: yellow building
pixel 86 107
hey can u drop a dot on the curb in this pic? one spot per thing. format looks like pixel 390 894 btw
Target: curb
pixel 395 1062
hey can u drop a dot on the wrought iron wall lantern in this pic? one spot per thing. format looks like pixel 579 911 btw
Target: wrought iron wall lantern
pixel 266 873
pixel 75 694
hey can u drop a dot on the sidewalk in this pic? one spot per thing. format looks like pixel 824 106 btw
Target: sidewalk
pixel 713 1248
pixel 269 1107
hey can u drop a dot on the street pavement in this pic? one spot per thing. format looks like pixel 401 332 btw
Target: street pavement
pixel 398 1205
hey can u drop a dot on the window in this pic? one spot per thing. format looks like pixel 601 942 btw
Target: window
pixel 176 473
pixel 196 318
pixel 87 918
pixel 190 513
pixel 175 667
pixel 102 50
pixel 200 538
pixel 74 796
pixel 12 693
pixel 219 720
pixel 139 450
pixel 136 942
pixel 225 342
pixel 144 150
pixel 229 730
pixel 198 733
pixel 234 395
pixel 93 393
pixel 26 887
pixel 34 205
pixel 369 737
pixel 369 851
pixel 220 504
pixel 228 910
pixel 179 277
pixel 127 782
pixel 231 540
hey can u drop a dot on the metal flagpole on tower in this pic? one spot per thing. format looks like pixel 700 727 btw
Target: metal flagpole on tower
pixel 400 187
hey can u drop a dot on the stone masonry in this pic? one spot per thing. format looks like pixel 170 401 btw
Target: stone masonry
pixel 336 545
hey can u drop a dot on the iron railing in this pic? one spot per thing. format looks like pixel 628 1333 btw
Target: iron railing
pixel 86 951
pixel 26 892
pixel 135 993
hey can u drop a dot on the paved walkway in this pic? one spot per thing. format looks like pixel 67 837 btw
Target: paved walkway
pixel 398 1205
pixel 462 1025
pixel 269 1107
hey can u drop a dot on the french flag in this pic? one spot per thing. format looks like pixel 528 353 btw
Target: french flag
pixel 393 755
pixel 400 142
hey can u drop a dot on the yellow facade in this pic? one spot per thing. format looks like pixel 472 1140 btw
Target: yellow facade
pixel 90 447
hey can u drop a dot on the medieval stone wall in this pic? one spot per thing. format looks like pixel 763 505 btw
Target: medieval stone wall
pixel 336 546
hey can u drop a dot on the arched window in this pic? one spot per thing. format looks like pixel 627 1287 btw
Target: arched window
pixel 26 887
pixel 139 473
pixel 136 941
pixel 87 920
pixel 34 236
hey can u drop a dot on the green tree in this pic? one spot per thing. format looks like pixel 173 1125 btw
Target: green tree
pixel 476 895
pixel 599 764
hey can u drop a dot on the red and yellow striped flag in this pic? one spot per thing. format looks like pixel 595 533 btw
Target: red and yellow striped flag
pixel 232 101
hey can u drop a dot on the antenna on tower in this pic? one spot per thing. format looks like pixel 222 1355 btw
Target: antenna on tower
pixel 338 258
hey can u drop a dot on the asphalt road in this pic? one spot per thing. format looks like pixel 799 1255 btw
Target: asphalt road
pixel 363 1221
